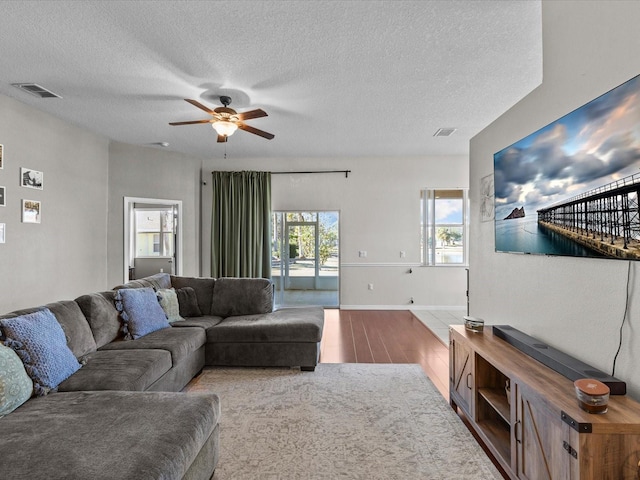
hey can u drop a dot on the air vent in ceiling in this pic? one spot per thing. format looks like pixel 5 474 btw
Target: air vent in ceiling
pixel 444 132
pixel 36 90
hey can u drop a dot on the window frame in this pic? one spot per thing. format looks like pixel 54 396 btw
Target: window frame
pixel 429 225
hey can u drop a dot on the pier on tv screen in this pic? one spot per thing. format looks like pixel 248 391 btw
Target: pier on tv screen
pixel 572 187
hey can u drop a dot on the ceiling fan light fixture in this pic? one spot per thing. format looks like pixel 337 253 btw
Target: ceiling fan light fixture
pixel 224 127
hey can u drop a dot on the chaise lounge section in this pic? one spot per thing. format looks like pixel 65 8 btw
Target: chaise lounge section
pixel 242 329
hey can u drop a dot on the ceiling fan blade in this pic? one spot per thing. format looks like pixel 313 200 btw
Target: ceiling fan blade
pixel 200 106
pixel 258 113
pixel 192 122
pixel 222 139
pixel 249 129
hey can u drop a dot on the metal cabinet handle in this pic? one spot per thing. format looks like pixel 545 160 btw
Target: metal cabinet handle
pixel 515 432
pixel 469 376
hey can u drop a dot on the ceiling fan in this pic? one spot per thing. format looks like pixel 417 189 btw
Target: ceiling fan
pixel 225 120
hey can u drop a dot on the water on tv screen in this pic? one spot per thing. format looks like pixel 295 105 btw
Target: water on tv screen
pixel 573 187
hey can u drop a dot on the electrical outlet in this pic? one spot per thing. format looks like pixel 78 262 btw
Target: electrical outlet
pixel 362 253
pixel 403 254
pixel 371 286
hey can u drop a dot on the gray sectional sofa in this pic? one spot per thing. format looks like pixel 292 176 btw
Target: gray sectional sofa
pixel 121 414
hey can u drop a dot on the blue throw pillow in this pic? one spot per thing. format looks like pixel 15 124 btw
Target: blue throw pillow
pixel 39 341
pixel 140 311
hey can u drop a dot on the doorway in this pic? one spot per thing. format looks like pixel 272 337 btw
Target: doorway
pixel 152 237
pixel 306 258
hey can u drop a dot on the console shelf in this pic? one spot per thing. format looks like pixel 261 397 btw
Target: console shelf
pixel 497 399
pixel 528 416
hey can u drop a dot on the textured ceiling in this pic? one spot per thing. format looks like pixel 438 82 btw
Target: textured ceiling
pixel 337 78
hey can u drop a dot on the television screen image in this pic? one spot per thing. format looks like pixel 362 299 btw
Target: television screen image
pixel 573 187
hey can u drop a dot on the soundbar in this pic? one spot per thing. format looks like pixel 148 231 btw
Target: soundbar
pixel 570 367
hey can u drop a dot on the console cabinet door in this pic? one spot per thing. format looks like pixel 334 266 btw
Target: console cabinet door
pixel 462 381
pixel 542 440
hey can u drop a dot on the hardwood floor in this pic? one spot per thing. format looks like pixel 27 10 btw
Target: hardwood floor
pixel 389 336
pixel 384 336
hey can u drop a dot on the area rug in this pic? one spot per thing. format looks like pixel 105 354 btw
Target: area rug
pixel 343 421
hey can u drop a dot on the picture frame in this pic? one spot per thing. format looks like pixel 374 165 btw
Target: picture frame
pixel 3 229
pixel 3 197
pixel 31 178
pixel 487 210
pixel 31 211
pixel 1 156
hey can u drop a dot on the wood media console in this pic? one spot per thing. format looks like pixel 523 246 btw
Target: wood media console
pixel 528 416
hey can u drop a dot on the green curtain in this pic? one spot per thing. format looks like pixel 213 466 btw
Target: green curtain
pixel 241 225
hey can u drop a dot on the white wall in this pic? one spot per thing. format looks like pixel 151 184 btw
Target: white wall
pixel 65 255
pixel 379 212
pixel 150 172
pixel 575 305
pixel 78 247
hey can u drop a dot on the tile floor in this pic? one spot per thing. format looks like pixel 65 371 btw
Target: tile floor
pixel 438 321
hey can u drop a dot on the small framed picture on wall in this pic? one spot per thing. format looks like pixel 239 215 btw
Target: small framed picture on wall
pixel 31 178
pixel 1 156
pixel 3 198
pixel 31 211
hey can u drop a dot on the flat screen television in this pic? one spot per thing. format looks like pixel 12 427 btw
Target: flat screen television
pixel 572 187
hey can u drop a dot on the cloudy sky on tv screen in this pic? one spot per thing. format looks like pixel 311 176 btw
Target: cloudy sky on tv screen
pixel 590 148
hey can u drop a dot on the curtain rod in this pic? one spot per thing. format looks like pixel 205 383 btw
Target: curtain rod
pixel 346 172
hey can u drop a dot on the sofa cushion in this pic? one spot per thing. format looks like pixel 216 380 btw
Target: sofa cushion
pixel 133 370
pixel 104 320
pixel 180 342
pixel 188 302
pixel 203 287
pixel 140 311
pixel 73 322
pixel 15 385
pixel 157 281
pixel 302 324
pixel 169 302
pixel 40 343
pixel 133 284
pixel 206 321
pixel 107 435
pixel 76 328
pixel 241 296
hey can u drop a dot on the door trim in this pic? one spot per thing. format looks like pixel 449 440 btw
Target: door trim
pixel 128 205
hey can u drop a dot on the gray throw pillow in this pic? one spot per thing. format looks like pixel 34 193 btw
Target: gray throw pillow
pixel 188 302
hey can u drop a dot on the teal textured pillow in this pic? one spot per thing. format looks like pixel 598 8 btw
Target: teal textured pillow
pixel 15 385
pixel 39 341
pixel 169 302
pixel 140 311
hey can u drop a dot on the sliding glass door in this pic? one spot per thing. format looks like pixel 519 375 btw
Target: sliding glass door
pixel 306 258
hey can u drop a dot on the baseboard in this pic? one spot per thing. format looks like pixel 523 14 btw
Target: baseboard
pixel 402 307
